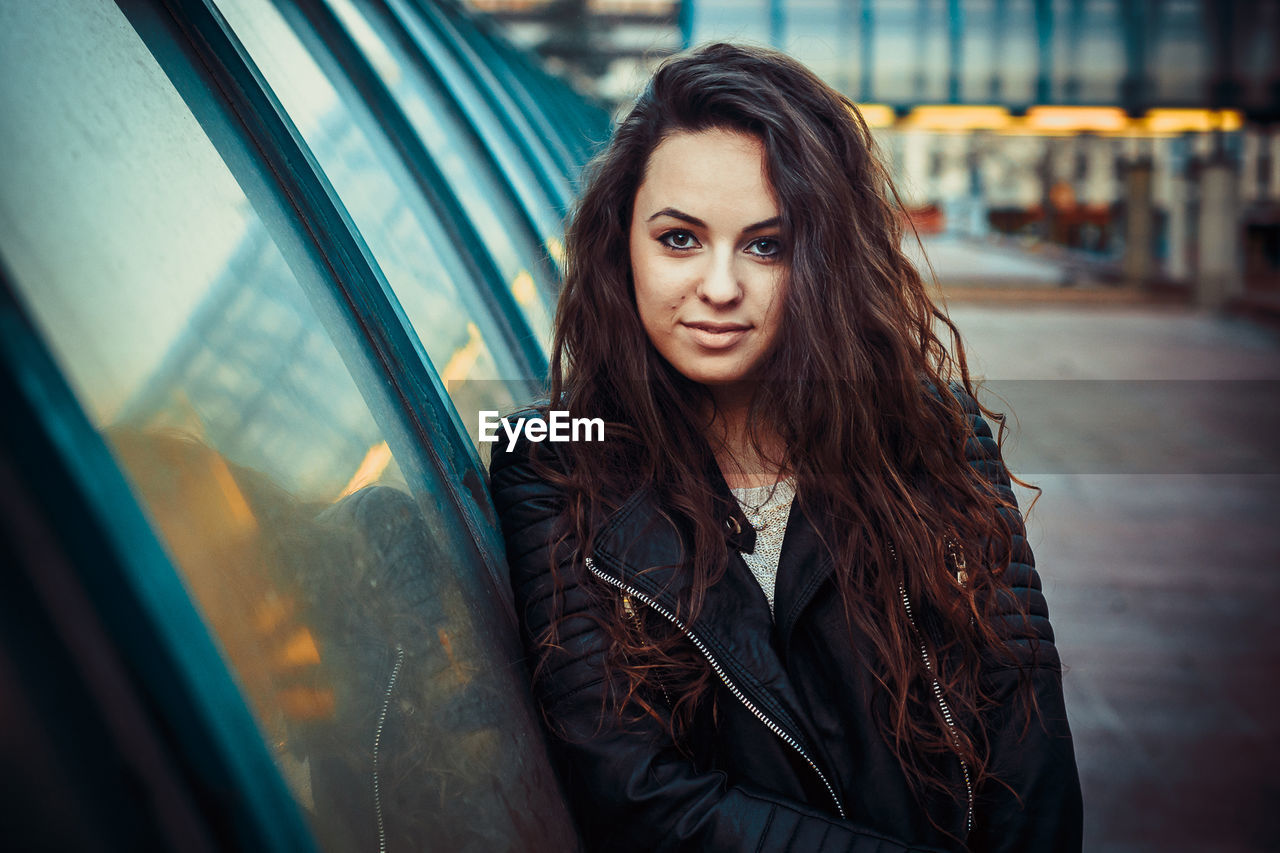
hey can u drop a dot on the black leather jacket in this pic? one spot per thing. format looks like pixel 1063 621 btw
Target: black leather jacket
pixel 794 760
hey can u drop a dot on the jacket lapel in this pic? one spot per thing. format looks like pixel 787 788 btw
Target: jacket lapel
pixel 639 541
pixel 644 550
pixel 641 547
pixel 805 563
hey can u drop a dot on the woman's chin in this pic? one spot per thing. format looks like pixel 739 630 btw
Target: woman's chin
pixel 728 388
pixel 716 372
pixel 715 379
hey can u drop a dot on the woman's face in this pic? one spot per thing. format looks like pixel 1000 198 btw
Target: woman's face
pixel 706 257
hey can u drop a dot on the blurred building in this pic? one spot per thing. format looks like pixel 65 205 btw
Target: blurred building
pixel 1138 138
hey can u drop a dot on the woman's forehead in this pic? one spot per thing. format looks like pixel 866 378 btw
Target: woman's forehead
pixel 712 173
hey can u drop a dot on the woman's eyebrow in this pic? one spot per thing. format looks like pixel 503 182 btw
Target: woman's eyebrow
pixel 762 224
pixel 693 220
pixel 678 214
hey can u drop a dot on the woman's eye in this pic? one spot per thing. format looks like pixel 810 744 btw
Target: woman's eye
pixel 765 247
pixel 678 240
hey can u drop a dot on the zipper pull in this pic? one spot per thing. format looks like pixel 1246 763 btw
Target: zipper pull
pixel 962 574
pixel 629 608
pixel 957 559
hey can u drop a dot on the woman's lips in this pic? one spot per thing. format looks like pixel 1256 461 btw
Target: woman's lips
pixel 717 335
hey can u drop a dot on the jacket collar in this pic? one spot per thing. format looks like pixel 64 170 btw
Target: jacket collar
pixel 739 534
pixel 641 540
pixel 642 547
pixel 805 563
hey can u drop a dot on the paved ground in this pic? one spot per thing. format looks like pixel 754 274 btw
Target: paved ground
pixel 1163 576
pixel 961 259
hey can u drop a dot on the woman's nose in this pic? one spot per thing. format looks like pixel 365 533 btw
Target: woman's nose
pixel 719 284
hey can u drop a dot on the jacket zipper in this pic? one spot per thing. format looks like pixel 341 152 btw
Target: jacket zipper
pixel 719 671
pixel 377 743
pixel 943 706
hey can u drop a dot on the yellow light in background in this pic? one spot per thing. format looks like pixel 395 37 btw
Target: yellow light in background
pixel 1138 129
pixel 555 248
pixel 877 115
pixel 522 288
pixel 463 358
pixel 236 504
pixel 1075 119
pixel 299 650
pixel 1192 121
pixel 371 468
pixel 949 117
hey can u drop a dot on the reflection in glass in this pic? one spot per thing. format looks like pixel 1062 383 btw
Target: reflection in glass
pixel 253 372
pixel 359 665
pixel 358 630
pixel 478 177
pixel 412 248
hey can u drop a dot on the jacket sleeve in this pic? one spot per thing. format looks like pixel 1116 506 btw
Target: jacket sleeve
pixel 1034 801
pixel 629 787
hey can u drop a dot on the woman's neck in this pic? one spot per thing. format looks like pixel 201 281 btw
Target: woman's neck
pixel 741 463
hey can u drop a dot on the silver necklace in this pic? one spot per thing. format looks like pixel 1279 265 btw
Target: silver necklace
pixel 767 506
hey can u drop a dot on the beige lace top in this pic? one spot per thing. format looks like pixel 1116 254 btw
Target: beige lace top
pixel 767 508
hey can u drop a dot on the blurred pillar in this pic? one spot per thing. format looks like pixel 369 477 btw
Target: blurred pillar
pixel 1044 174
pixel 1138 263
pixel 1135 87
pixel 999 20
pixel 1273 159
pixel 1178 263
pixel 1075 26
pixel 1044 51
pixel 684 19
pixel 1098 187
pixel 955 48
pixel 979 222
pixel 917 181
pixel 1220 247
pixel 1253 185
pixel 845 50
pixel 867 36
pixel 1059 197
pixel 922 57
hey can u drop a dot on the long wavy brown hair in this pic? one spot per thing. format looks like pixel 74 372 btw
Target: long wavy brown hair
pixel 857 385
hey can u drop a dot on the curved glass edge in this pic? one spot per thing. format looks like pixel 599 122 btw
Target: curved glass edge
pixel 574 124
pixel 502 105
pixel 337 53
pixel 199 53
pixel 583 122
pixel 542 201
pixel 146 607
pixel 494 185
pixel 500 73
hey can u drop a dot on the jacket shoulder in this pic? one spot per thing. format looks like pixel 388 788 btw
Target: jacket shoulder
pixel 1023 610
pixel 526 495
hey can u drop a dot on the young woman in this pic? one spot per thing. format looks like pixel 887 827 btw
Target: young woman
pixel 787 603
